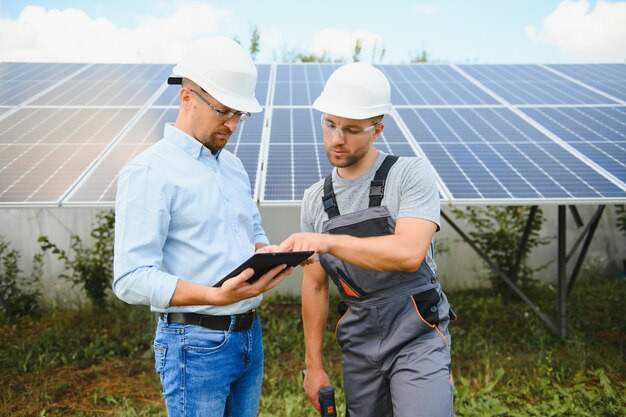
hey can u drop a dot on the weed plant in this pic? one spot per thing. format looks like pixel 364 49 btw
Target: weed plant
pixel 90 267
pixel 78 362
pixel 19 294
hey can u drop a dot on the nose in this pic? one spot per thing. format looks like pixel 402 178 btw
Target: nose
pixel 231 123
pixel 337 132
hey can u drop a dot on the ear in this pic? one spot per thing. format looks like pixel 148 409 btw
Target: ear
pixel 377 131
pixel 186 97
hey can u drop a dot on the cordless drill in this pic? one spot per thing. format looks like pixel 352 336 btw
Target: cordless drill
pixel 327 402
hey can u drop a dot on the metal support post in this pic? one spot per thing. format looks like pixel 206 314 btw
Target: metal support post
pixel 562 270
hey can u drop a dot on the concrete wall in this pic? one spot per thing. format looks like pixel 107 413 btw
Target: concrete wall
pixel 458 268
pixel 461 267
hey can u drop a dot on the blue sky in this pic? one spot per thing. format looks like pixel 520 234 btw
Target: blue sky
pixel 451 31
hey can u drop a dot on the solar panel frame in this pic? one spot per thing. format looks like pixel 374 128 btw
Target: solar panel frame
pixel 292 88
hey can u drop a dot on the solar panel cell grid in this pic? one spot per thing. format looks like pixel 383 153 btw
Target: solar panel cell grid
pixel 70 138
pixel 531 84
pixel 598 133
pixel 432 85
pixel 300 85
pixel 484 154
pixel 609 78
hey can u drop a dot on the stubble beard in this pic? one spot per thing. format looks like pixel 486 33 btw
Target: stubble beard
pixel 350 159
pixel 216 141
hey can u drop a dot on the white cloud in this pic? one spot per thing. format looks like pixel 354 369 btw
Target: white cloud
pixel 425 9
pixel 70 35
pixel 339 44
pixel 591 35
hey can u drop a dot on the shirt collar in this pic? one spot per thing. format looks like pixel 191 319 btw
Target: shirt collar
pixel 187 143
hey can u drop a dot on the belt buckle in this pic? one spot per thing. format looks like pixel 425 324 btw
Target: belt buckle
pixel 245 321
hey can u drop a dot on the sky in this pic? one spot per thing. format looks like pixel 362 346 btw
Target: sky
pixel 392 31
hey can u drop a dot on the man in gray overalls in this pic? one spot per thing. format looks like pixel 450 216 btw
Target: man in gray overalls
pixel 372 223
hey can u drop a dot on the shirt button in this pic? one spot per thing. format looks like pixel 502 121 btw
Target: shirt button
pixel 433 309
pixel 433 280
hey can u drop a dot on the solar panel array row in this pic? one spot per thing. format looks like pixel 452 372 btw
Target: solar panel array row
pixel 513 134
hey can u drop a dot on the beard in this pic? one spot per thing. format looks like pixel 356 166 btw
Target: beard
pixel 347 160
pixel 218 139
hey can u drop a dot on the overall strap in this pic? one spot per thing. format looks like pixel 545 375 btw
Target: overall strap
pixel 328 199
pixel 377 186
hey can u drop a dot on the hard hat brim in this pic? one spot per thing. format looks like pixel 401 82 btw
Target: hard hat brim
pixel 238 103
pixel 340 110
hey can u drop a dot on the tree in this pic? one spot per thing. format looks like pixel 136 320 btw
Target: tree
pixel 358 47
pixel 255 38
pixel 422 58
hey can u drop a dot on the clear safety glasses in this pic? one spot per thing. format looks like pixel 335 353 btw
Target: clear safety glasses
pixel 345 131
pixel 224 114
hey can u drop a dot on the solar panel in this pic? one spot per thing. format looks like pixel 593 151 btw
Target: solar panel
pixel 432 85
pixel 296 157
pixel 300 84
pixel 514 134
pixel 532 84
pixel 100 186
pixel 609 78
pixel 45 150
pixel 491 154
pixel 598 133
pixel 108 85
pixel 20 81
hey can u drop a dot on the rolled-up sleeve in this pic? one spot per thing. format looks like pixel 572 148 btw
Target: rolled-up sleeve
pixel 141 224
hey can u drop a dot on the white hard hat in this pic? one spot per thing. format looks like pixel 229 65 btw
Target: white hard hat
pixel 222 68
pixel 355 91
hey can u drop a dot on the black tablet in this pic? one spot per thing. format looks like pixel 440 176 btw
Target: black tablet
pixel 263 262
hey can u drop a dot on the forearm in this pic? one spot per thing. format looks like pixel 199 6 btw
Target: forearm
pixel 404 250
pixel 188 293
pixel 380 253
pixel 314 316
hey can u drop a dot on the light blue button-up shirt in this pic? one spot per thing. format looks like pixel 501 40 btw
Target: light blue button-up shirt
pixel 181 212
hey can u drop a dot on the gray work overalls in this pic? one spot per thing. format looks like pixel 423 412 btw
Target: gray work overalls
pixel 394 334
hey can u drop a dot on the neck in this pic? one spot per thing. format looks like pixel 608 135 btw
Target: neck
pixel 361 167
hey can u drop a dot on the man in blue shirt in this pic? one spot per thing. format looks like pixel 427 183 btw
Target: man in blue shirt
pixel 184 219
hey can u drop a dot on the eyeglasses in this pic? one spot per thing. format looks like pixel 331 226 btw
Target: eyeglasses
pixel 224 114
pixel 345 131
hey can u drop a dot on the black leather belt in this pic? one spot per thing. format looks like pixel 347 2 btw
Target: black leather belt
pixel 243 321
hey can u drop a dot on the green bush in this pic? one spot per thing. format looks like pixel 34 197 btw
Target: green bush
pixel 498 231
pixel 19 295
pixel 90 267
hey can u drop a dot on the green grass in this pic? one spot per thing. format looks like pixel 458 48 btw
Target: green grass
pixel 506 362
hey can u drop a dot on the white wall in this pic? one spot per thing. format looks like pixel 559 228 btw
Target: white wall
pixel 459 268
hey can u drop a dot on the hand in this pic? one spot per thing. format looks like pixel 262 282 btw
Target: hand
pixel 313 381
pixel 317 242
pixel 268 249
pixel 238 288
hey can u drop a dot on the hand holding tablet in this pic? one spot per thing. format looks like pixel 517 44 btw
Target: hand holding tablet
pixel 263 262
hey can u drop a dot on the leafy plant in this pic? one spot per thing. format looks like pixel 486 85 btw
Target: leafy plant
pixel 19 295
pixel 90 267
pixel 498 232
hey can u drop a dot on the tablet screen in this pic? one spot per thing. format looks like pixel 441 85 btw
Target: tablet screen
pixel 263 262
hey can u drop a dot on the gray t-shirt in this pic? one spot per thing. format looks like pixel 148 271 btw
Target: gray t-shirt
pixel 410 191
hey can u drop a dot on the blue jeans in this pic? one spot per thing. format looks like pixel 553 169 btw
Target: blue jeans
pixel 209 373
